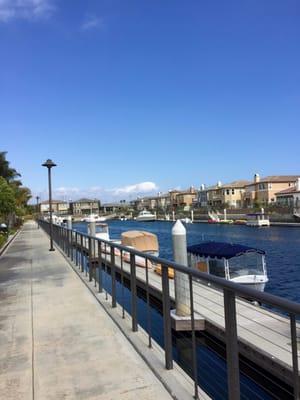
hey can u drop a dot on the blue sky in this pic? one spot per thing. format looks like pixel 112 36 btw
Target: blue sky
pixel 171 93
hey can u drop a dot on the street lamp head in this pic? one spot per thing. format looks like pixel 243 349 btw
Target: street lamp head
pixel 49 164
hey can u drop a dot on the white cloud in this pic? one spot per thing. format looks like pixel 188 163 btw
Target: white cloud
pixel 25 9
pixel 92 22
pixel 143 187
pixel 98 192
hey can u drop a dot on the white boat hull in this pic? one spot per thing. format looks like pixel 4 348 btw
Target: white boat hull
pixel 257 282
pixel 145 218
pixel 261 222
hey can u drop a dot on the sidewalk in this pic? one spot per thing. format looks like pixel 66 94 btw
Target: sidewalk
pixel 56 342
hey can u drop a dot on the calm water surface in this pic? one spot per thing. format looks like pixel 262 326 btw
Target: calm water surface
pixel 281 244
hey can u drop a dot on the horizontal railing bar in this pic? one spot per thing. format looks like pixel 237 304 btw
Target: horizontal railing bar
pixel 243 291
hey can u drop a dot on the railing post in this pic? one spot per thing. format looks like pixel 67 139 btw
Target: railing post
pixel 194 345
pixel 167 317
pixel 113 277
pixel 294 356
pixel 133 293
pixel 72 248
pixel 76 249
pixel 232 350
pixel 100 284
pixel 69 243
pixel 90 260
pixel 82 253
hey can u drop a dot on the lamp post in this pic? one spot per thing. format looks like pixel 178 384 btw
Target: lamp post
pixel 49 164
pixel 37 210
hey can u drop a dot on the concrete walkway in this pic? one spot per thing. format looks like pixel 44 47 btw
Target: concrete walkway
pixel 56 341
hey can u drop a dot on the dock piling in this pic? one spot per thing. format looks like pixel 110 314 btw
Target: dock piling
pixel 181 281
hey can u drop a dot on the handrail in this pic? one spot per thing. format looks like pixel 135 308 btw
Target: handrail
pixel 64 237
pixel 243 291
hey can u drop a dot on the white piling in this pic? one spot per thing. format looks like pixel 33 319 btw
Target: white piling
pixel 225 214
pixel 92 227
pixel 173 215
pixel 182 296
pixel 92 232
pixel 192 215
pixel 69 221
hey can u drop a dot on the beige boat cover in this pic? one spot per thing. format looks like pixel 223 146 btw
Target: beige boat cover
pixel 140 240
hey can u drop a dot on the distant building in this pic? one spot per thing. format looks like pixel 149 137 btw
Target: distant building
pixel 114 207
pixel 59 207
pixel 263 190
pixel 222 195
pixel 184 199
pixel 289 197
pixel 233 193
pixel 85 206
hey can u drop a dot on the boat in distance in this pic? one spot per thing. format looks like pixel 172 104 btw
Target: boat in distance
pixel 146 216
pixel 235 262
pixel 93 218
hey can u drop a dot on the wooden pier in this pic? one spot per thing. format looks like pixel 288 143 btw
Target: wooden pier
pixel 264 336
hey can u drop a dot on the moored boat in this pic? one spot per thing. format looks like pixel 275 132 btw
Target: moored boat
pixel 93 218
pixel 143 241
pixel 145 216
pixel 258 219
pixel 235 262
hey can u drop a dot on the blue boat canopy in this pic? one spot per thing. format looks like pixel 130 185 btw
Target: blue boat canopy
pixel 221 249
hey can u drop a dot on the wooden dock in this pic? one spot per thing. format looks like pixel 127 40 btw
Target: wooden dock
pixel 264 336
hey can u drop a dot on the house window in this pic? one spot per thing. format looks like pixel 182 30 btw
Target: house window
pixel 232 191
pixel 227 192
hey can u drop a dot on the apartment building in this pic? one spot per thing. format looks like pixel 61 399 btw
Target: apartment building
pixel 85 206
pixel 289 197
pixel 59 207
pixel 263 190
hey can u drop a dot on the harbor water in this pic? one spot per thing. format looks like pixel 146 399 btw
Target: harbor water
pixel 282 246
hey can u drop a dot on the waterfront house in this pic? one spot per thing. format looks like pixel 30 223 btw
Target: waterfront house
pixel 289 197
pixel 223 195
pixel 145 203
pixel 85 206
pixel 185 199
pixel 262 191
pixel 163 201
pixel 121 206
pixel 233 193
pixel 59 207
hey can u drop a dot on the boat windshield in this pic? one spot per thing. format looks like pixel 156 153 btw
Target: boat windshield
pixel 246 264
pixel 102 228
pixel 217 267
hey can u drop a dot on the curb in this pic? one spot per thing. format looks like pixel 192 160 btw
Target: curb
pixel 7 244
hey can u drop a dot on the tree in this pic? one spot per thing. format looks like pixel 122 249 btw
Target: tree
pixel 7 198
pixel 14 196
pixel 8 173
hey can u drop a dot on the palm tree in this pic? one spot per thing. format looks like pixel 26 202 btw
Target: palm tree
pixel 8 173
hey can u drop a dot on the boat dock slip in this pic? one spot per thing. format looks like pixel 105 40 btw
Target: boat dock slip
pixel 264 337
pixel 56 340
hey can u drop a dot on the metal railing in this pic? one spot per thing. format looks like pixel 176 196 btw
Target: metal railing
pixel 96 256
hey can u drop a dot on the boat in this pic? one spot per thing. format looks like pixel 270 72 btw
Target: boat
pixel 240 222
pixel 123 218
pixel 186 220
pixel 235 262
pixel 145 216
pixel 93 218
pixel 258 219
pixel 213 217
pixel 143 241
